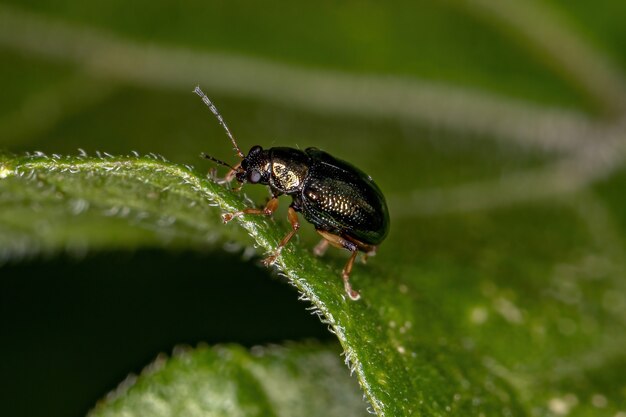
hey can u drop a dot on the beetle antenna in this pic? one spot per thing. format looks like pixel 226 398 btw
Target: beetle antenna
pixel 220 119
pixel 218 161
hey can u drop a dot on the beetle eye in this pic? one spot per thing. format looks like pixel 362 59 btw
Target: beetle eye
pixel 254 176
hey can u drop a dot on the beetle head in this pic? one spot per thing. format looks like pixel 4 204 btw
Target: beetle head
pixel 255 167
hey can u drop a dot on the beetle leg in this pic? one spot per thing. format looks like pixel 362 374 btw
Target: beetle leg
pixel 269 208
pixel 340 242
pixel 231 174
pixel 295 225
pixel 320 248
pixel 345 274
pixel 228 178
pixel 370 251
pixel 213 175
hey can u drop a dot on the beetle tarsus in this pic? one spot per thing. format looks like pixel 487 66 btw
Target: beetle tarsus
pixel 226 217
pixel 269 208
pixel 345 274
pixel 354 295
pixel 271 259
pixel 320 248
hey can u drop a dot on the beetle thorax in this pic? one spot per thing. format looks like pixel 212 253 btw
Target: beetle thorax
pixel 287 178
pixel 289 170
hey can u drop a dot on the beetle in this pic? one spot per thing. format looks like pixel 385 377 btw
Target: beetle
pixel 343 203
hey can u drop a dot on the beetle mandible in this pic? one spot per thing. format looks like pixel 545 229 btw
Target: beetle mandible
pixel 343 203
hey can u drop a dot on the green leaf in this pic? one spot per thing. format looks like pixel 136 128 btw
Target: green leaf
pixel 302 380
pixel 80 203
pixel 377 338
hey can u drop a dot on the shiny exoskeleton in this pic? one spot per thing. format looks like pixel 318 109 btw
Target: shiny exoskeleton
pixel 343 203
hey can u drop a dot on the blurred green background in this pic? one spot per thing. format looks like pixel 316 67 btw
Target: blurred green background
pixel 453 107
